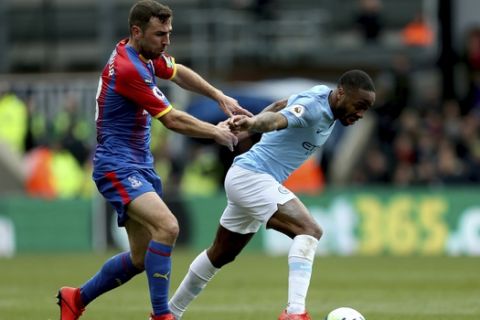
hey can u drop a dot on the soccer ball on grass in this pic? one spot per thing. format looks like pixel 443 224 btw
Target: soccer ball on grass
pixel 344 313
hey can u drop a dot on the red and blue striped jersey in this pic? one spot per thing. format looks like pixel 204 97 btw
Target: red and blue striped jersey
pixel 127 99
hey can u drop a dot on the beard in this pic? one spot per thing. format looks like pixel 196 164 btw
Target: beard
pixel 341 114
pixel 147 52
pixel 344 118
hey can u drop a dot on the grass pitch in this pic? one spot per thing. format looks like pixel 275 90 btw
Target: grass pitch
pixel 255 287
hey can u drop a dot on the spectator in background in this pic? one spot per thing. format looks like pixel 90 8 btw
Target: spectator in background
pixel 418 33
pixel 369 20
pixel 71 130
pixel 39 181
pixel 471 60
pixel 394 95
pixel 452 119
pixel 201 175
pixel 469 146
pixel 451 169
pixel 376 166
pixel 262 9
pixel 36 125
pixel 52 172
pixel 403 175
pixel 402 83
pixel 13 120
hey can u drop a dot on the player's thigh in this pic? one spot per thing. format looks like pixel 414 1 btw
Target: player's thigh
pixel 150 211
pixel 123 185
pixel 252 199
pixel 293 218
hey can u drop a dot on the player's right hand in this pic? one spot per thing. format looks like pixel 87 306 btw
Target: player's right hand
pixel 240 123
pixel 225 137
pixel 231 107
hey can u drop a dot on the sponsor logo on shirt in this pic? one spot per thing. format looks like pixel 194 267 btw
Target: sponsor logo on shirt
pixel 310 147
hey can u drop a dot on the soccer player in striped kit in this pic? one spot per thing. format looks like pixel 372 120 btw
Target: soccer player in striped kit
pixel 127 100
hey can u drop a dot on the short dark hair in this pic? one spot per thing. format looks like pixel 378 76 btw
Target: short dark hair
pixel 356 79
pixel 142 11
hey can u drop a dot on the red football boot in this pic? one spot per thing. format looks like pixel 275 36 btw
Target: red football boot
pixel 71 306
pixel 294 316
pixel 167 316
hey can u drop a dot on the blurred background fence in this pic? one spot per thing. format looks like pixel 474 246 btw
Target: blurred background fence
pixel 413 165
pixel 212 35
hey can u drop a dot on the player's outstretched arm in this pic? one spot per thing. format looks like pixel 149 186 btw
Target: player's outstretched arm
pixel 192 81
pixel 262 122
pixel 183 123
pixel 273 107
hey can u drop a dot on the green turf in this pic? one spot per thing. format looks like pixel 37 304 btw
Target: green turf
pixel 254 287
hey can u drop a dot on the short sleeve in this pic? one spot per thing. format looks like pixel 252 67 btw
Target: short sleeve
pixel 165 67
pixel 142 91
pixel 300 113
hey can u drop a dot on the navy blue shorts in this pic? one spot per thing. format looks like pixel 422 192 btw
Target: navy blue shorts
pixel 121 186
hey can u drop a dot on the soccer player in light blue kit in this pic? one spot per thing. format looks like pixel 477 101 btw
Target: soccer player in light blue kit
pixel 293 129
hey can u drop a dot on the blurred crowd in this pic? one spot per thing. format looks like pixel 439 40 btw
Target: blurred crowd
pixel 420 138
pixel 55 148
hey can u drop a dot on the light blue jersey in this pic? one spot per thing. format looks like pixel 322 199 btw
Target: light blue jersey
pixel 310 123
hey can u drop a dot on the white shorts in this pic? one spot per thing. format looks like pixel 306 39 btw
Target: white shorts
pixel 252 199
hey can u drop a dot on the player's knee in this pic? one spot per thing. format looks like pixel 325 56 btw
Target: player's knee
pixel 166 229
pixel 171 231
pixel 318 232
pixel 315 231
pixel 226 259
pixel 218 260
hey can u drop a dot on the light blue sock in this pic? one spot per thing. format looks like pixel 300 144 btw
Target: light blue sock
pixel 115 272
pixel 300 262
pixel 158 265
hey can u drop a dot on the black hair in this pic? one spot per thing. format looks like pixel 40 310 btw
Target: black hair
pixel 356 79
pixel 142 11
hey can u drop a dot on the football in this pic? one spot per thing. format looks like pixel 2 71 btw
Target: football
pixel 344 313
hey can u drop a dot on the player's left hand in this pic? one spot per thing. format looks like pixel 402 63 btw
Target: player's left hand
pixel 231 107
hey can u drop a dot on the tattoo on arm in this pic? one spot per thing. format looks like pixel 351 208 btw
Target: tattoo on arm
pixel 269 121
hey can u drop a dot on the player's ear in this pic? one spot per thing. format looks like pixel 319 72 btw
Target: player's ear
pixel 135 31
pixel 340 92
